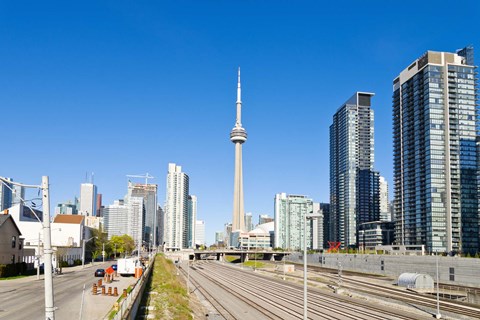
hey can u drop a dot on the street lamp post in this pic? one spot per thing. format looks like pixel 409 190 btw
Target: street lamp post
pixel 188 275
pixel 438 315
pixel 38 257
pixel 47 241
pixel 305 302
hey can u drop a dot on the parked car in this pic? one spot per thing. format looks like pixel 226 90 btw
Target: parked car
pixel 114 267
pixel 100 273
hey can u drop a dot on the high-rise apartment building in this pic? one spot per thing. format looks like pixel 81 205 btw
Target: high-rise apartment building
pixel 290 211
pixel 354 185
pixel 435 153
pixel 176 208
pixel 190 226
pixel 88 199
pixel 317 227
pixel 384 203
pixel 200 232
pixel 325 207
pixel 115 218
pixel 136 218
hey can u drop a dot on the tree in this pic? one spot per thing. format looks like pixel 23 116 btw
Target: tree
pixel 123 243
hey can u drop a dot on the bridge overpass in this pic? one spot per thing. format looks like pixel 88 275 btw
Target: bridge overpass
pixel 244 255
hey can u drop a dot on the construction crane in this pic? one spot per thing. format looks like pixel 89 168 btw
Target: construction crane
pixel 145 176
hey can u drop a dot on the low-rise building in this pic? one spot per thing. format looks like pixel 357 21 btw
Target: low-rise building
pixel 375 233
pixel 11 245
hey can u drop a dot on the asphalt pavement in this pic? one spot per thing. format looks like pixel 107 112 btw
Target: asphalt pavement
pixel 24 298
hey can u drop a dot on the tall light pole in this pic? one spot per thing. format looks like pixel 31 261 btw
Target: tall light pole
pixel 438 315
pixel 47 251
pixel 47 241
pixel 38 257
pixel 305 303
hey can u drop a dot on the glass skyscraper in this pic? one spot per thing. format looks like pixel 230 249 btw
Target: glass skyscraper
pixel 435 153
pixel 354 185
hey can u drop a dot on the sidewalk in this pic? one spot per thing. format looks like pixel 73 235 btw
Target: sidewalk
pixel 98 306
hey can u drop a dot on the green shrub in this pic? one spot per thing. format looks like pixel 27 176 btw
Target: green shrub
pixel 3 269
pixel 64 264
pixel 77 262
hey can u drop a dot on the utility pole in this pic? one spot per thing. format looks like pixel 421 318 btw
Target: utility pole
pixel 47 249
pixel 83 253
pixel 38 257
pixel 103 251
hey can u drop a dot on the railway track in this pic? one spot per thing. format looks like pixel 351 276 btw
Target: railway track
pixel 285 300
pixel 399 295
pixel 412 298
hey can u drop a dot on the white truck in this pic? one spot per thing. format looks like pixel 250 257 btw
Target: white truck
pixel 126 267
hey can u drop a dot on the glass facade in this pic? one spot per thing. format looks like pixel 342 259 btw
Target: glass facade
pixel 354 185
pixel 290 211
pixel 435 157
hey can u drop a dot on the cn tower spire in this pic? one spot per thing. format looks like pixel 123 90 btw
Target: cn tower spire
pixel 239 102
pixel 238 136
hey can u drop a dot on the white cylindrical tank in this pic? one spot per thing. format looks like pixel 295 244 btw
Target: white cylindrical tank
pixel 415 281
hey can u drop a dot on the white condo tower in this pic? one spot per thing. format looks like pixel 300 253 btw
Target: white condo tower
pixel 238 136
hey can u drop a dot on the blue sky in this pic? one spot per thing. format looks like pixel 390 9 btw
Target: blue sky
pixel 125 87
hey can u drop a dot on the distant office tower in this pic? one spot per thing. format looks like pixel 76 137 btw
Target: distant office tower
pixel 238 136
pixel 227 233
pixel 325 207
pixel 66 208
pixel 384 203
pixel 354 185
pixel 98 204
pixel 136 217
pixel 435 157
pixel 115 218
pixel 88 198
pixel 200 233
pixel 176 208
pixel 248 222
pixel 18 194
pixel 160 225
pixel 149 194
pixel 219 238
pixel 264 218
pixel 5 194
pixel 191 222
pixel 290 211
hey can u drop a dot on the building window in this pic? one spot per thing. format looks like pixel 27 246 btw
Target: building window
pixel 14 241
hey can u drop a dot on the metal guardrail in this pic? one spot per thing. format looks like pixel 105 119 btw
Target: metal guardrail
pixel 127 304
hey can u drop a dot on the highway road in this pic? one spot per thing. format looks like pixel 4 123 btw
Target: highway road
pixel 25 298
pixel 234 293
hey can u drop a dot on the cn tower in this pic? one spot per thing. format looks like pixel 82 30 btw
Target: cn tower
pixel 238 136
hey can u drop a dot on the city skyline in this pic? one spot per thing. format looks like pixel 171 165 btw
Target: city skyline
pixel 115 82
